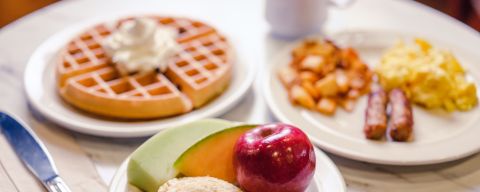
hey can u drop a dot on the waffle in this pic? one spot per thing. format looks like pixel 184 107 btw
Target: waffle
pixel 197 74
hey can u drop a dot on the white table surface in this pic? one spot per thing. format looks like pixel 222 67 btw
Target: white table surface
pixel 245 19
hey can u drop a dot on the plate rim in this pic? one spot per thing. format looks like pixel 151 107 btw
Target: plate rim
pixel 348 153
pixel 321 157
pixel 33 70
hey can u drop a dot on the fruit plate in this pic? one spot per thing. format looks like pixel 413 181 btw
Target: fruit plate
pixel 40 85
pixel 327 177
pixel 438 136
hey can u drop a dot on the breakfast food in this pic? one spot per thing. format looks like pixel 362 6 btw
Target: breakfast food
pixel 215 155
pixel 151 164
pixel 275 158
pixel 322 76
pixel 400 124
pixel 399 117
pixel 130 69
pixel 198 184
pixel 376 114
pixel 430 77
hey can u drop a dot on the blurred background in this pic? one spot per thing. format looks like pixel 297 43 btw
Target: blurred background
pixel 467 11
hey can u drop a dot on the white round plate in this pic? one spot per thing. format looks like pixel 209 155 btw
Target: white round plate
pixel 40 85
pixel 327 177
pixel 438 136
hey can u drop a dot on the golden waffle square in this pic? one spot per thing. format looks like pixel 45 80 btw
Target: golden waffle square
pixel 88 80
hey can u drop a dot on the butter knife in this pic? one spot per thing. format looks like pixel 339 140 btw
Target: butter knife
pixel 32 152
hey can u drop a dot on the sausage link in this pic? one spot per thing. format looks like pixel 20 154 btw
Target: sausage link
pixel 400 125
pixel 376 115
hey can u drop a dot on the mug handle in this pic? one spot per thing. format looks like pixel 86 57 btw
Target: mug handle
pixel 341 3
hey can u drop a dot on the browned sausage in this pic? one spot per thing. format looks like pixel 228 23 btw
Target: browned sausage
pixel 376 115
pixel 401 117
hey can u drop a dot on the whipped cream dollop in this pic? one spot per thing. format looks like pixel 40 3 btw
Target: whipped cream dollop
pixel 141 45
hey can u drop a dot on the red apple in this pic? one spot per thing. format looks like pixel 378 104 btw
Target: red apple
pixel 274 158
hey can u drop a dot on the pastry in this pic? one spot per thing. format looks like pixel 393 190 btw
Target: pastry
pixel 199 71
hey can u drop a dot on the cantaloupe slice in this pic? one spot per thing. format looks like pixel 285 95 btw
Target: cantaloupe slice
pixel 213 155
pixel 151 164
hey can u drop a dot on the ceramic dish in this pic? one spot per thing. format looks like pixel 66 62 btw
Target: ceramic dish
pixel 41 89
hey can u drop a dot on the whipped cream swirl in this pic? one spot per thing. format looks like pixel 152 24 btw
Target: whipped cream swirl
pixel 141 45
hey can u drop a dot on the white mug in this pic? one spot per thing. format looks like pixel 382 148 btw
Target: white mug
pixel 290 19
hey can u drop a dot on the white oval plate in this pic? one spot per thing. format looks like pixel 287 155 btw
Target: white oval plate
pixel 438 136
pixel 327 177
pixel 40 85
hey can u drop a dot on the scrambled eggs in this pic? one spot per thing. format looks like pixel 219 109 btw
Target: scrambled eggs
pixel 430 77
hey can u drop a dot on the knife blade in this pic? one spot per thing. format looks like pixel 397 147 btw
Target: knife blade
pixel 32 152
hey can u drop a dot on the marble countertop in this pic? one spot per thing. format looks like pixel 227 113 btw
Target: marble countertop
pixel 19 39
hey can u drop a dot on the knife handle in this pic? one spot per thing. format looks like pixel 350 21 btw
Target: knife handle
pixel 56 185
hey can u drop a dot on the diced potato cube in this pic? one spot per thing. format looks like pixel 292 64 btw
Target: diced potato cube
pixel 324 48
pixel 329 67
pixel 347 104
pixel 309 76
pixel 287 76
pixel 349 54
pixel 357 82
pixel 353 94
pixel 358 66
pixel 308 86
pixel 327 86
pixel 343 83
pixel 313 63
pixel 326 106
pixel 295 63
pixel 299 95
pixel 301 51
